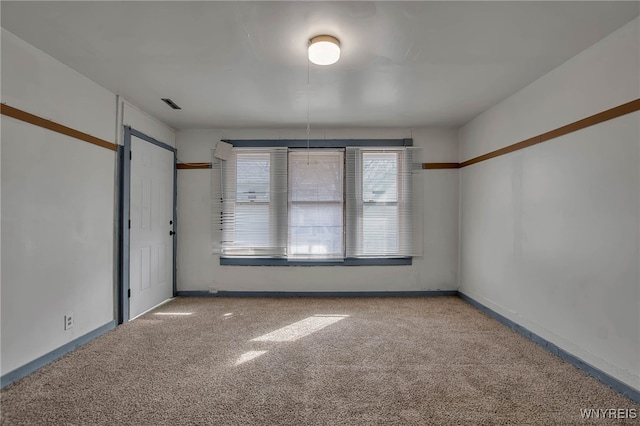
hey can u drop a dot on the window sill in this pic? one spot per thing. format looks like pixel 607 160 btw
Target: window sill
pixel 350 261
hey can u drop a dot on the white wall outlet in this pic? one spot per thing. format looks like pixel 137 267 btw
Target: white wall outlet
pixel 68 321
pixel 213 290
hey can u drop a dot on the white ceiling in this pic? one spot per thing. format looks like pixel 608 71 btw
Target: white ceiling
pixel 244 64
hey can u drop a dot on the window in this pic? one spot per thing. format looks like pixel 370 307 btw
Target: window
pixel 253 204
pixel 319 204
pixel 383 202
pixel 316 204
pixel 380 203
pixel 252 200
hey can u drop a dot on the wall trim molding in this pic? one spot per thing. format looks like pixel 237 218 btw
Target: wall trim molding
pixel 592 120
pixel 425 166
pixel 592 371
pixel 439 166
pixel 225 293
pixel 193 166
pixel 18 114
pixel 49 357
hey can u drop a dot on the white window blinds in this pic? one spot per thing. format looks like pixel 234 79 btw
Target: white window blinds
pixel 254 203
pixel 316 204
pixel 319 204
pixel 383 202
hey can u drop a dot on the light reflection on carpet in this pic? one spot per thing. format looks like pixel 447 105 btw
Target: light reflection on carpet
pixel 291 333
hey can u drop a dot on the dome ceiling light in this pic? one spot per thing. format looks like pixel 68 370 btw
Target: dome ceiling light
pixel 324 50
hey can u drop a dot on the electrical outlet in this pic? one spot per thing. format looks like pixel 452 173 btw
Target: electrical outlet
pixel 213 290
pixel 68 321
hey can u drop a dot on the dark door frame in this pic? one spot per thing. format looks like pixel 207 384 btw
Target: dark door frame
pixel 124 202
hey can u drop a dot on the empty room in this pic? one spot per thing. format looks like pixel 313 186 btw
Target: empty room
pixel 323 213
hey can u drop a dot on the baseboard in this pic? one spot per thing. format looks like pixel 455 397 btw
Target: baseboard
pixel 47 358
pixel 605 378
pixel 224 293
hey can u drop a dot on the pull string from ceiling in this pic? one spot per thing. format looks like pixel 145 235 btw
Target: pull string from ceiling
pixel 308 129
pixel 221 171
pixel 308 107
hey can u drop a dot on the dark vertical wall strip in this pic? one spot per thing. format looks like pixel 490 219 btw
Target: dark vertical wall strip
pixel 125 213
pixel 175 223
pixel 119 233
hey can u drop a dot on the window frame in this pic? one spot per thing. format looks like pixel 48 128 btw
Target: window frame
pixel 230 260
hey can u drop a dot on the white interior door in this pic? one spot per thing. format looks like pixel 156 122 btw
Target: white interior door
pixel 151 214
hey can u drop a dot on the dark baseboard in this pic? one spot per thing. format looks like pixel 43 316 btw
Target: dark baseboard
pixel 605 378
pixel 47 358
pixel 224 293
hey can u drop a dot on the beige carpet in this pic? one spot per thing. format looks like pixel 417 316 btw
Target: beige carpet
pixel 301 361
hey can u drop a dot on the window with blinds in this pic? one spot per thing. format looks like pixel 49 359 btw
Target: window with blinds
pixel 380 207
pixel 253 200
pixel 383 202
pixel 316 204
pixel 324 204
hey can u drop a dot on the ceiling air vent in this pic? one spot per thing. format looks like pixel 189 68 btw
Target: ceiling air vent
pixel 170 103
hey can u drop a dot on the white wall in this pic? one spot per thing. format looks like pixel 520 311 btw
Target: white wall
pixel 550 234
pixel 57 206
pixel 198 268
pixel 39 84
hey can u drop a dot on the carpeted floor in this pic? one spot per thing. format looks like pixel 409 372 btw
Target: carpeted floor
pixel 309 361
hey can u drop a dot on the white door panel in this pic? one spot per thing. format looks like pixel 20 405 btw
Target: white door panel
pixel 151 213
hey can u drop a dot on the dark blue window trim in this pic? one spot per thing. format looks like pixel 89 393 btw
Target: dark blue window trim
pixel 319 143
pixel 350 261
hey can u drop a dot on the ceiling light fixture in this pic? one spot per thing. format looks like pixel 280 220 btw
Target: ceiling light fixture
pixel 324 50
